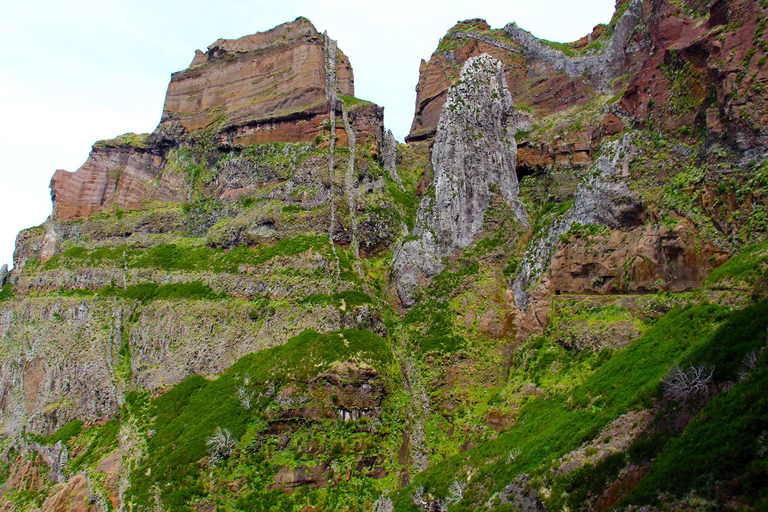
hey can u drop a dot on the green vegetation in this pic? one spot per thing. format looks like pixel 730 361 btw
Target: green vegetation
pixel 103 442
pixel 351 101
pixel 188 413
pixel 137 140
pixel 147 292
pixel 741 271
pixel 449 42
pixel 548 427
pixel 188 258
pixel 6 292
pixel 64 434
pixel 348 299
pixel 726 441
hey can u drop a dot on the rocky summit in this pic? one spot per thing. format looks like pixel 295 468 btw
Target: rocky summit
pixel 552 297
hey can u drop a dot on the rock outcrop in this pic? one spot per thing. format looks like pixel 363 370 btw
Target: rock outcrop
pixel 268 302
pixel 256 80
pixel 600 68
pixel 538 75
pixel 473 158
pixel 283 85
pixel 118 175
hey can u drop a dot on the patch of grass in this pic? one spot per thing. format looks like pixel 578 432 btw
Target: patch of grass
pixel 190 411
pixel 103 442
pixel 725 442
pixel 743 332
pixel 406 199
pixel 351 101
pixel 189 258
pixel 137 140
pixel 147 292
pixel 742 270
pixel 64 434
pixel 6 293
pixel 291 208
pixel 350 299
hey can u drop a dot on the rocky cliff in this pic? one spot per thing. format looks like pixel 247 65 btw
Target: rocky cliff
pixel 473 160
pixel 553 297
pixel 283 85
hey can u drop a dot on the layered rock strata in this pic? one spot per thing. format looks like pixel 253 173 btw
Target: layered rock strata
pixel 264 76
pixel 283 85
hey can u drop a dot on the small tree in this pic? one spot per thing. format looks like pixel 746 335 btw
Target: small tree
pixel 681 385
pixel 221 445
pixel 245 397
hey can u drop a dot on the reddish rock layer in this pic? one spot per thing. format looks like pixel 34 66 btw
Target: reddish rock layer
pixel 262 76
pixel 703 73
pixel 530 83
pixel 268 87
pixel 679 69
pixel 122 176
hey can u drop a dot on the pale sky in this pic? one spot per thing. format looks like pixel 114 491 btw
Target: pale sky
pixel 75 72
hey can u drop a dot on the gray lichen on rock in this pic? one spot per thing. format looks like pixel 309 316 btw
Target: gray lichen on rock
pixel 389 156
pixel 603 198
pixel 474 151
pixel 602 67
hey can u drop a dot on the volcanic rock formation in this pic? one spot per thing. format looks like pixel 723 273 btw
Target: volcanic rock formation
pixel 283 85
pixel 269 303
pixel 474 150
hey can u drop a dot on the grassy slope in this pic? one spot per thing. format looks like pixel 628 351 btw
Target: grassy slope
pixel 551 426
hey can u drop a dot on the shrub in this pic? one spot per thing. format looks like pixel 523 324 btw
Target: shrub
pixel 221 445
pixel 681 385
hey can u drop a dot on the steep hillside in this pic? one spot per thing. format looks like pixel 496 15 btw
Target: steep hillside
pixel 553 297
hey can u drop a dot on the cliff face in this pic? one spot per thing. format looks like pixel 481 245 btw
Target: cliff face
pixel 551 298
pixel 117 175
pixel 283 85
pixel 473 160
pixel 264 76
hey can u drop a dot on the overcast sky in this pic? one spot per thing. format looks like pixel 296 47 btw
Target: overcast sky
pixel 75 72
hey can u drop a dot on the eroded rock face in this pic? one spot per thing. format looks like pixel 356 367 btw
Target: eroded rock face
pixel 283 85
pixel 538 75
pixel 601 68
pixel 632 253
pixel 704 73
pixel 115 176
pixel 262 76
pixel 474 149
pixel 473 158
pixel 46 383
pixel 71 496
pixel 444 67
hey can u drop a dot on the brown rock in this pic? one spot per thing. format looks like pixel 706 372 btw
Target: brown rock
pixel 72 496
pixel 289 478
pixel 499 420
pixel 443 68
pixel 115 176
pixel 111 463
pixel 611 125
pixel 261 76
pixel 263 88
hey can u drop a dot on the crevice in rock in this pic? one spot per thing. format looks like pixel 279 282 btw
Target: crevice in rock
pixel 331 51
